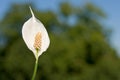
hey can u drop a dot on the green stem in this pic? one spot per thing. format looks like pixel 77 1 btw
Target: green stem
pixel 35 68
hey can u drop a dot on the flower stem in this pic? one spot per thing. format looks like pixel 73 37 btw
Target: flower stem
pixel 35 68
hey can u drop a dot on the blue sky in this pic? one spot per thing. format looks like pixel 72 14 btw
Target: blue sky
pixel 110 7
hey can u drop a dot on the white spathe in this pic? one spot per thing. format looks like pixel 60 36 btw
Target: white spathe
pixel 29 31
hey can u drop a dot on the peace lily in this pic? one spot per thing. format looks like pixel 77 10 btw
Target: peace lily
pixel 36 38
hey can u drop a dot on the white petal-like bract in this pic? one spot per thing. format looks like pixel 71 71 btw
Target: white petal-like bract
pixel 35 35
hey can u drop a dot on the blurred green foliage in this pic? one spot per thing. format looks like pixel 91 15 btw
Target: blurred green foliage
pixel 78 51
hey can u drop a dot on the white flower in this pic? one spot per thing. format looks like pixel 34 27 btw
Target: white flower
pixel 35 36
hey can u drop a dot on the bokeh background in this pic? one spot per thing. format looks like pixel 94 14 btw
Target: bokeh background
pixel 84 38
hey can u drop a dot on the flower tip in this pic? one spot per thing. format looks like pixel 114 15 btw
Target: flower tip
pixel 32 12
